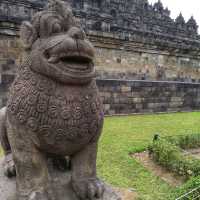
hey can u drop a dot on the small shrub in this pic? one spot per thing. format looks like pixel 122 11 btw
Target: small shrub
pixel 169 155
pixel 185 141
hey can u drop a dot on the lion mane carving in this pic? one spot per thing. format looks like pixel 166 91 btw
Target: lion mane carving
pixel 54 108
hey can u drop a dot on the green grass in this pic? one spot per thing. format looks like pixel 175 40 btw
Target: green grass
pixel 123 135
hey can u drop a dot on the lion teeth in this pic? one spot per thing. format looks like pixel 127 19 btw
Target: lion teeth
pixel 53 59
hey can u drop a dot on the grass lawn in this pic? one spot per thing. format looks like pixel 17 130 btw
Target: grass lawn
pixel 123 135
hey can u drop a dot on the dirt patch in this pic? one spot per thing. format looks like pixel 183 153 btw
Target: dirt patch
pixel 158 170
pixel 127 194
pixel 194 152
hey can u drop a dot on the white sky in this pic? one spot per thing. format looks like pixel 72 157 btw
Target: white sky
pixel 187 7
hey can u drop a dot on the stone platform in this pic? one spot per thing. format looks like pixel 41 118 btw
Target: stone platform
pixel 61 183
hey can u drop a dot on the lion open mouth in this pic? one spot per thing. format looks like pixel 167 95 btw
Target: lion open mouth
pixel 76 63
pixel 68 60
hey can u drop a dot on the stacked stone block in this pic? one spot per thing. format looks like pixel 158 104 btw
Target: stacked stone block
pixel 10 49
pixel 125 97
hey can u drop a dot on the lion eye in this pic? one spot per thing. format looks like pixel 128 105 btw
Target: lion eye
pixel 56 28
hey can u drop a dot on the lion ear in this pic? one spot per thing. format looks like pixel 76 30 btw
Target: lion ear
pixel 28 35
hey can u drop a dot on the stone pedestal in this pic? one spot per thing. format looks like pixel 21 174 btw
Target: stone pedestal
pixel 61 183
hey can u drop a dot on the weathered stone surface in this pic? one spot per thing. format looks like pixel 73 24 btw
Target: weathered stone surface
pixel 134 40
pixel 148 96
pixel 54 110
pixel 61 182
pixel 111 16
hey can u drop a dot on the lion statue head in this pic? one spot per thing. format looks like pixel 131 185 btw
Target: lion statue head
pixel 57 47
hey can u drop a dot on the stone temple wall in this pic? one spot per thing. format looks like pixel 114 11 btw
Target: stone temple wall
pixel 125 97
pixel 117 58
pixel 138 52
pixel 149 65
pixel 10 51
pixel 134 39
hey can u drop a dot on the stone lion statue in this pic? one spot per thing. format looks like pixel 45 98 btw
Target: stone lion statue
pixel 54 109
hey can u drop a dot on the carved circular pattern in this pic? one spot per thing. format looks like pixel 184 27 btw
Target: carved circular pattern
pixel 72 133
pixel 43 98
pixel 66 113
pixel 32 123
pixel 60 135
pixel 22 116
pixel 46 135
pixel 13 108
pixel 76 112
pixel 44 130
pixel 32 99
pixel 41 107
pixel 42 85
pixel 53 111
pixel 18 86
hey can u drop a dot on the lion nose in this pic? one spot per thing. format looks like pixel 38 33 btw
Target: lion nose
pixel 76 33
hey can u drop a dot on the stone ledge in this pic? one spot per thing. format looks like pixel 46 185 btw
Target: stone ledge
pixel 61 183
pixel 143 82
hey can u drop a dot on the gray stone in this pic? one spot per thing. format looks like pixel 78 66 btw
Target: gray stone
pixel 155 19
pixel 58 62
pixel 61 183
pixel 163 95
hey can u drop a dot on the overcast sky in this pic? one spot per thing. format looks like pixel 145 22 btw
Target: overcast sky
pixel 187 7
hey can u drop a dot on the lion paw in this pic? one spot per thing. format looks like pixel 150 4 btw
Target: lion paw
pixel 88 188
pixel 42 194
pixel 9 166
pixel 37 196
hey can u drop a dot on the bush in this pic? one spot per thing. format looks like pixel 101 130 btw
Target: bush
pixel 185 141
pixel 169 155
